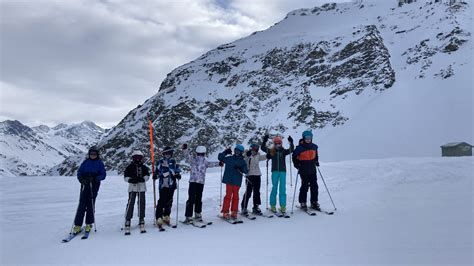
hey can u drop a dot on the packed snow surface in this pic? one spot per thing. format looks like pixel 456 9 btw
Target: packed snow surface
pixel 401 211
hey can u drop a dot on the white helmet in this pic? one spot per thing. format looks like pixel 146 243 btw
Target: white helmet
pixel 137 152
pixel 201 149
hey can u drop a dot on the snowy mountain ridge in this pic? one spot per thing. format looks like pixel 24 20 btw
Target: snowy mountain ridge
pixel 371 80
pixel 33 151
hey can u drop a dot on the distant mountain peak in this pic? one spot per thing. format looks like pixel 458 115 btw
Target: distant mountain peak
pixel 33 151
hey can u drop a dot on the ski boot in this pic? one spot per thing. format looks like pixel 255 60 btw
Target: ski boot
pixel 273 209
pixel 198 217
pixel 256 210
pixel 127 228
pixel 315 206
pixel 303 205
pixel 141 224
pixel 76 230
pixel 233 215
pixel 159 224
pixel 245 212
pixel 226 215
pixel 166 220
pixel 283 210
pixel 88 228
pixel 188 220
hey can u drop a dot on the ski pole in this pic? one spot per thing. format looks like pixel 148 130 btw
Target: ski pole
pixel 78 204
pixel 127 209
pixel 177 203
pixel 326 188
pixel 220 194
pixel 93 208
pixel 266 195
pixel 291 174
pixel 294 193
pixel 247 183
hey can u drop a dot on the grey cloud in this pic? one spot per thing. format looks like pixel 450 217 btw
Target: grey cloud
pixel 96 60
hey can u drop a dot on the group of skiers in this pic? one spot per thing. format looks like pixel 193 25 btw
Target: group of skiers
pixel 239 164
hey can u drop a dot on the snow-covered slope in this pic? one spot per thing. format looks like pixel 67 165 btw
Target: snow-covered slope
pixel 33 151
pixel 373 80
pixel 405 211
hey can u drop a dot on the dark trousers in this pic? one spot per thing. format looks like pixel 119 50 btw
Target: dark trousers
pixel 194 199
pixel 140 205
pixel 165 202
pixel 86 203
pixel 253 185
pixel 309 181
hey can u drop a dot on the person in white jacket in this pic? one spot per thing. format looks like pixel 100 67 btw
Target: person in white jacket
pixel 199 164
pixel 136 174
pixel 253 180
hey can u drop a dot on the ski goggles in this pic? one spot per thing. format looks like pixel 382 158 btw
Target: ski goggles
pixel 137 157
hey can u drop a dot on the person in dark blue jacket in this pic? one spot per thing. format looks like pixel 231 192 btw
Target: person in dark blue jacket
pixel 306 159
pixel 235 168
pixel 168 172
pixel 90 174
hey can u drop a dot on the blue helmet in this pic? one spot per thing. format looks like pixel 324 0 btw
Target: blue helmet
pixel 239 147
pixel 307 133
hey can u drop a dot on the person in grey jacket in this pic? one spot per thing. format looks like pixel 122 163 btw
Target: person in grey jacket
pixel 199 165
pixel 136 174
pixel 253 180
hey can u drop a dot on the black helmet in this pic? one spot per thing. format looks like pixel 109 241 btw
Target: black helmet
pixel 168 150
pixel 93 151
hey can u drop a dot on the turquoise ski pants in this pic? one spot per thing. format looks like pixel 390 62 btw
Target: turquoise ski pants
pixel 278 183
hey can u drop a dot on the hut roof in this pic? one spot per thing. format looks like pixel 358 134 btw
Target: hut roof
pixel 455 144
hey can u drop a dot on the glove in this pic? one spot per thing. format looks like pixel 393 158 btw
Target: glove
pixel 268 156
pixel 221 163
pixel 84 181
pixel 237 168
pixel 296 164
pixel 265 138
pixel 155 177
pixel 317 163
pixel 248 153
pixel 228 151
pixel 184 147
pixel 140 179
pixel 132 180
pixel 177 176
pixel 290 139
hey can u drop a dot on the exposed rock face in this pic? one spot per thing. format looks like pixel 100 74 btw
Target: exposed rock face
pixel 287 78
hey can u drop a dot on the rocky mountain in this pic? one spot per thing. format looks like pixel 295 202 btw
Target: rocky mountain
pixel 372 79
pixel 33 151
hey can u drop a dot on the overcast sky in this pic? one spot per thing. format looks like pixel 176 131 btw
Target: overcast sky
pixel 75 60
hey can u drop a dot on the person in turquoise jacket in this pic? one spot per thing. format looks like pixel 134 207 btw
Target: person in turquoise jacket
pixel 235 168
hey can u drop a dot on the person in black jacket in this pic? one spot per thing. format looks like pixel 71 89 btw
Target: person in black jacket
pixel 136 174
pixel 278 154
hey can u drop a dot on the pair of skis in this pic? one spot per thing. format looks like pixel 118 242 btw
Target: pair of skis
pixel 314 212
pixel 71 236
pixel 231 220
pixel 197 223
